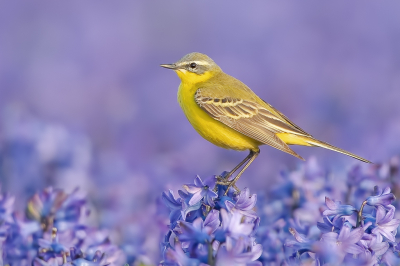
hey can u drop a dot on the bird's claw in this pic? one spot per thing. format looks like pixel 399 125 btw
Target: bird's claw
pixel 226 182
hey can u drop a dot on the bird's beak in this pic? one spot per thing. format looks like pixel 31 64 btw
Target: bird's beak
pixel 169 66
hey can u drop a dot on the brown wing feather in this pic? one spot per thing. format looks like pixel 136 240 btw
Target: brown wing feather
pixel 249 118
pixel 287 120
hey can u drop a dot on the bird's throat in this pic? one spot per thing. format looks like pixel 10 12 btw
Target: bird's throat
pixel 193 78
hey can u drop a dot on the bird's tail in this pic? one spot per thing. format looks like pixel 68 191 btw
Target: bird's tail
pixel 318 143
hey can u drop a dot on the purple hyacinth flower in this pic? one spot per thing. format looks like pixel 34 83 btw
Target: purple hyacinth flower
pixel 385 224
pixel 373 246
pixel 232 225
pixel 196 232
pixel 189 212
pixel 337 209
pixel 6 208
pixel 212 220
pixel 235 252
pixel 330 225
pixel 381 197
pixel 175 205
pixel 244 204
pixel 338 245
pixel 202 190
pixel 302 244
pixel 178 258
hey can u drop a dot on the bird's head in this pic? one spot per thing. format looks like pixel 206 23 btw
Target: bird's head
pixel 194 68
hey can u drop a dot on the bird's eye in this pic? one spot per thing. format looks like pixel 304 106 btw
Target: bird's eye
pixel 193 65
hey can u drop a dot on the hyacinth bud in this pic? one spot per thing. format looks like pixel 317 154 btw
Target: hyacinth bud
pixel 338 209
pixel 381 197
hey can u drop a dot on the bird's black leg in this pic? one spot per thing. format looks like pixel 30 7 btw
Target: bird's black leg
pixel 247 161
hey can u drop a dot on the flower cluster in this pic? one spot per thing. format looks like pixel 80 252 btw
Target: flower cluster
pixel 208 227
pixel 53 232
pixel 304 222
pixel 301 220
pixel 350 236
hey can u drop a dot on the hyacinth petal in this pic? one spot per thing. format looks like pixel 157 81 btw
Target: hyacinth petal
pixel 248 204
pixel 187 209
pixel 380 214
pixel 191 188
pixel 212 220
pixel 355 235
pixel 225 219
pixel 329 237
pixel 195 198
pixel 238 247
pixel 210 182
pixel 198 223
pixel 325 228
pixel 250 213
pixel 329 212
pixel 330 203
pixel 386 190
pixel 388 217
pixel 183 194
pixel 192 232
pixel 229 205
pixel 244 194
pixel 198 182
pixel 209 193
pixel 291 243
pixel 299 237
pixel 380 248
pixel 175 215
pixel 377 191
pixel 170 200
pixel 344 234
pixel 252 255
pixel 385 199
pixel 353 249
pixel 385 233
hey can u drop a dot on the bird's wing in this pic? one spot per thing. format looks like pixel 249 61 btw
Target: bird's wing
pixel 247 117
pixel 288 121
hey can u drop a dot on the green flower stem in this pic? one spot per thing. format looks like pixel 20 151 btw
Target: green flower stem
pixel 359 215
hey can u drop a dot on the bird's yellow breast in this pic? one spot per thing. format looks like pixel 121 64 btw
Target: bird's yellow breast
pixel 209 128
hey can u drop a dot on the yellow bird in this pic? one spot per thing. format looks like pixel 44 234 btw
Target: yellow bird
pixel 226 112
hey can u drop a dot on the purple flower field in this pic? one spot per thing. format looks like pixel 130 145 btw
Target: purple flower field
pixel 99 166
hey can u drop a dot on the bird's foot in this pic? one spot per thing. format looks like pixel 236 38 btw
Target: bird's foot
pixel 225 182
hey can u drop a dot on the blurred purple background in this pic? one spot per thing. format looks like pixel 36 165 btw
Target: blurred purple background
pixel 91 71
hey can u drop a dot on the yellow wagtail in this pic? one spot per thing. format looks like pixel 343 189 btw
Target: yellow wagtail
pixel 226 112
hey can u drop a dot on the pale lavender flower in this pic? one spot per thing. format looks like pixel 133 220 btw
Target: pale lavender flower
pixel 373 246
pixel 232 225
pixel 189 212
pixel 175 205
pixel 212 220
pixel 301 243
pixel 330 225
pixel 386 226
pixel 244 204
pixel 338 245
pixel 195 232
pixel 202 190
pixel 335 208
pixel 177 257
pixel 236 252
pixel 381 197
